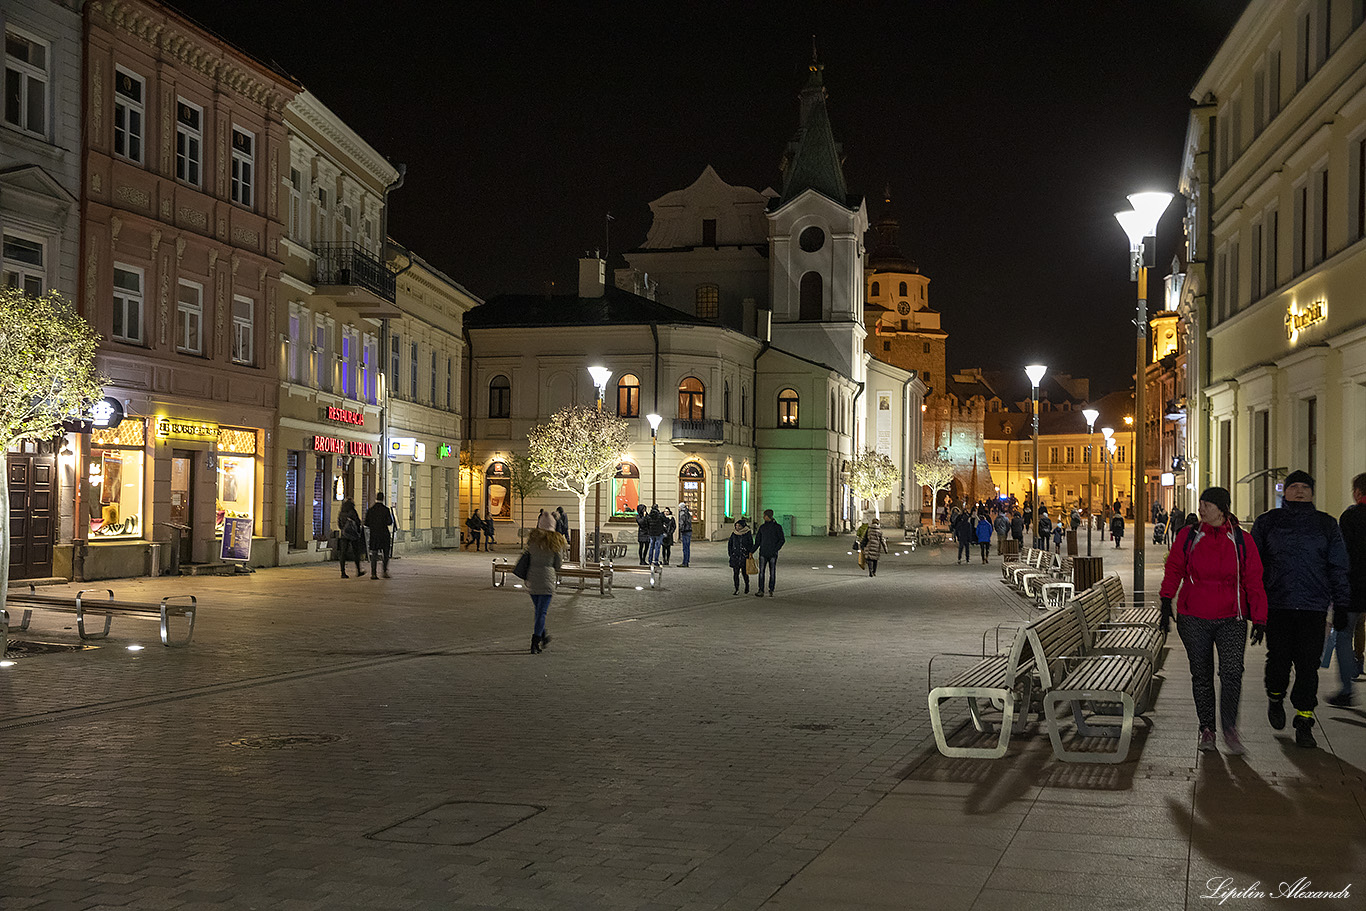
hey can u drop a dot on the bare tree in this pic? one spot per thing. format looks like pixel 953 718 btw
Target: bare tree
pixel 873 476
pixel 575 450
pixel 47 375
pixel 934 471
pixel 524 481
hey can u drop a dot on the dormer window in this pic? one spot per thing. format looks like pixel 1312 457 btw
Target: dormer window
pixel 708 232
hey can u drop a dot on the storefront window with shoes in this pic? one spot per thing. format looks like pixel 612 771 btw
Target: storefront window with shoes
pixel 115 481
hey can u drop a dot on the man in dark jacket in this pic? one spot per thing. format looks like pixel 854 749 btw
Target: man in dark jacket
pixel 654 530
pixel 770 540
pixel 642 536
pixel 379 518
pixel 1349 628
pixel 1017 527
pixel 685 531
pixel 1304 563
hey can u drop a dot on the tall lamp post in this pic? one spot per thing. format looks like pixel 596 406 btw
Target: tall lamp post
pixel 1090 414
pixel 1140 224
pixel 1108 433
pixel 1035 373
pixel 654 420
pixel 600 377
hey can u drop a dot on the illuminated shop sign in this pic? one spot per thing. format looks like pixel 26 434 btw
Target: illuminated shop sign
pixel 443 451
pixel 1298 319
pixel 343 447
pixel 345 416
pixel 107 413
pixel 407 446
pixel 181 429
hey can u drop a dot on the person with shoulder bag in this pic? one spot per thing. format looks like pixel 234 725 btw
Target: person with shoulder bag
pixel 544 546
pixel 379 518
pixel 351 541
pixel 873 545
pixel 739 547
pixel 1214 570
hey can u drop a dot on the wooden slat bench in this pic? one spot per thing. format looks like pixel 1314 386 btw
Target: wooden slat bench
pixel 600 571
pixel 1032 563
pixel 1106 635
pixel 1101 680
pixel 655 571
pixel 184 606
pixel 1122 608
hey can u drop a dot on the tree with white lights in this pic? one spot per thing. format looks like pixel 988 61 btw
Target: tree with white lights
pixel 934 471
pixel 873 476
pixel 47 376
pixel 575 450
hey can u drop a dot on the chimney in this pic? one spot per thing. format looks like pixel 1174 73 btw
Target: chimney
pixel 592 275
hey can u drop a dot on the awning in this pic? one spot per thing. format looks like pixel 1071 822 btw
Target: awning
pixel 1274 472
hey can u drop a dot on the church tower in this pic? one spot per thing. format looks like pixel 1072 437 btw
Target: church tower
pixel 815 238
pixel 902 329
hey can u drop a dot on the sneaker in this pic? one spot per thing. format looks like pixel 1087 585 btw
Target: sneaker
pixel 759 593
pixel 1341 700
pixel 1275 713
pixel 1304 732
pixel 1207 743
pixel 1233 743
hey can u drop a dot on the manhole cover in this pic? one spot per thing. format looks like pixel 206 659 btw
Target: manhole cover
pixel 284 741
pixel 28 649
pixel 813 727
pixel 459 822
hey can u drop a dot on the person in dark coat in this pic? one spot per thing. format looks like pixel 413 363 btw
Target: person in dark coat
pixel 379 518
pixel 1117 529
pixel 1352 637
pixel 739 546
pixel 1017 527
pixel 984 536
pixel 642 536
pixel 654 530
pixel 488 531
pixel 685 531
pixel 561 522
pixel 1304 562
pixel 769 540
pixel 351 541
pixel 474 525
pixel 670 526
pixel 965 533
pixel 545 545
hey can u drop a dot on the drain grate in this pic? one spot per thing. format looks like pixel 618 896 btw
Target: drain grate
pixel 21 648
pixel 813 727
pixel 459 822
pixel 284 741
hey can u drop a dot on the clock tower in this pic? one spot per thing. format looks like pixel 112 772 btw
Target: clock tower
pixel 902 329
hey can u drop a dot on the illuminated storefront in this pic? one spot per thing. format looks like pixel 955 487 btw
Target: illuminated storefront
pixel 625 491
pixel 115 477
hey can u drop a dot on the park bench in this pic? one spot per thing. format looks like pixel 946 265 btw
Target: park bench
pixel 601 571
pixel 1106 635
pixel 655 571
pixel 1122 608
pixel 184 606
pixel 1092 687
pixel 1057 579
pixel 1006 680
pixel 1031 562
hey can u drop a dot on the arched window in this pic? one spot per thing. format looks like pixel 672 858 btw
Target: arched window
pixel 812 306
pixel 744 489
pixel 708 299
pixel 628 396
pixel 725 402
pixel 691 398
pixel 787 408
pixel 500 397
pixel 729 486
pixel 877 289
pixel 903 289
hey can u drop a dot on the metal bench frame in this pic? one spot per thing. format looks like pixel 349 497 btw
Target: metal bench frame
pixel 1134 697
pixel 171 605
pixel 600 571
pixel 655 571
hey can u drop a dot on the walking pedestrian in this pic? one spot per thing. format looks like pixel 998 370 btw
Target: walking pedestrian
pixel 379 518
pixel 561 523
pixel 1017 527
pixel 642 536
pixel 1117 529
pixel 872 545
pixel 770 540
pixel 738 548
pixel 685 531
pixel 1304 560
pixel 1215 573
pixel 670 526
pixel 474 526
pixel 984 536
pixel 1045 529
pixel 1002 531
pixel 654 530
pixel 544 545
pixel 1347 623
pixel 488 530
pixel 965 533
pixel 351 541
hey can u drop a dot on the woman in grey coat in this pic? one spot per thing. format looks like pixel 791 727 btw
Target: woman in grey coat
pixel 544 545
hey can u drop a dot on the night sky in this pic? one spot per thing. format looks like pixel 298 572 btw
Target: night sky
pixel 1009 134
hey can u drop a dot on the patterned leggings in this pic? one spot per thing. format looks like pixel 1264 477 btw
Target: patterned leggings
pixel 1201 637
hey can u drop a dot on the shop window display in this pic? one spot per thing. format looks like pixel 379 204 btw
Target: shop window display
pixel 236 475
pixel 625 491
pixel 116 470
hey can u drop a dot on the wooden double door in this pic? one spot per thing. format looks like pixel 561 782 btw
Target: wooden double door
pixel 33 513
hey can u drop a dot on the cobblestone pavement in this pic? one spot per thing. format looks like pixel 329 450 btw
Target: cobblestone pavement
pixel 336 744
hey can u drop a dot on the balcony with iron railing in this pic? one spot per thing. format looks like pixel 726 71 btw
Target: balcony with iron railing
pixel 354 277
pixel 709 430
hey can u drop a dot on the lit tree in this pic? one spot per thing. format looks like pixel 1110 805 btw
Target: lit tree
pixel 873 476
pixel 934 471
pixel 47 375
pixel 524 481
pixel 575 450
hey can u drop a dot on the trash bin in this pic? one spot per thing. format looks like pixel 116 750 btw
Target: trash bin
pixel 1071 543
pixel 789 522
pixel 1086 572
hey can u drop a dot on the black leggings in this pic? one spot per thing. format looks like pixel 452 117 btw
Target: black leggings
pixel 740 573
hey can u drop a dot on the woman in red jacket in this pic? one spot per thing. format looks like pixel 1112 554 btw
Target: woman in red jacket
pixel 1219 573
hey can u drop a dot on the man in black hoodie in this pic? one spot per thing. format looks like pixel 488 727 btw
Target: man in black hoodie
pixel 1304 563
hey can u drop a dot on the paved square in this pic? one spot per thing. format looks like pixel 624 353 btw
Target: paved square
pixel 337 744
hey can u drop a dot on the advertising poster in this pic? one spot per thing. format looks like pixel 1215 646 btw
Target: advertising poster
pixel 236 539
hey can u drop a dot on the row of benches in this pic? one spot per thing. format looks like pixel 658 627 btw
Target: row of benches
pixel 605 573
pixel 1039 576
pixel 1096 653
pixel 81 604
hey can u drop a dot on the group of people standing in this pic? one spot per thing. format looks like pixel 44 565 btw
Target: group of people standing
pixel 352 545
pixel 655 532
pixel 1298 569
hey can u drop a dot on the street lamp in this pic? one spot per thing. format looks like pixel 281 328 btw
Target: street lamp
pixel 1140 224
pixel 1035 373
pixel 600 377
pixel 654 420
pixel 1090 414
pixel 1108 432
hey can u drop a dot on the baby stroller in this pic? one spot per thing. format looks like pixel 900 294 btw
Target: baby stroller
pixel 1159 530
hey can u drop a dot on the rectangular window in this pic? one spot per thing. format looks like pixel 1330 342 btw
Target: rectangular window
pixel 190 317
pixel 1071 454
pixel 128 115
pixel 1358 197
pixel 24 266
pixel 450 373
pixel 189 141
pixel 1299 246
pixel 243 330
pixel 323 232
pixel 1273 249
pixel 1311 434
pixel 708 232
pixel 1222 140
pixel 296 204
pixel 394 373
pixel 1221 289
pixel 412 373
pixel 127 304
pixel 1052 455
pixel 1321 219
pixel 996 457
pixel 1273 83
pixel 295 343
pixel 243 165
pixel 1255 265
pixel 1304 66
pixel 26 82
pixel 1235 126
pixel 369 358
pixel 1119 453
pixel 1259 99
pixel 1234 301
pixel 433 399
pixel 322 354
pixel 347 225
pixel 1323 32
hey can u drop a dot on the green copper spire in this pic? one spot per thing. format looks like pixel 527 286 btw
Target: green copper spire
pixel 813 160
